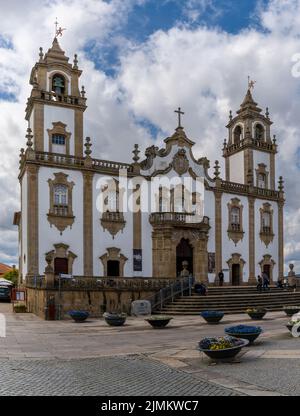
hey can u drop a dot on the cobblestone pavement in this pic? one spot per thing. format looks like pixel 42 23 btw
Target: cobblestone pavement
pixel 106 376
pixel 53 358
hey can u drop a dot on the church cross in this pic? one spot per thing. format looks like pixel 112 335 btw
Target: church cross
pixel 180 113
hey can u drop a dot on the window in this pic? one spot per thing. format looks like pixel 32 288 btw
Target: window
pixel 261 180
pixel 58 139
pixel 235 218
pixel 259 132
pixel 58 84
pixel 266 222
pixel 60 195
pixel 178 198
pixel 237 135
pixel 164 200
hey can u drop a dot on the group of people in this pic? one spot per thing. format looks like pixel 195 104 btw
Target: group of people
pixel 263 282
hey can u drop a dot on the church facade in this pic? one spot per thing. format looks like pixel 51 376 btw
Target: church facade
pixel 75 216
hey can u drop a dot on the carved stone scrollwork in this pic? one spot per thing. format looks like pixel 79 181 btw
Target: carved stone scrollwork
pixel 180 162
pixel 113 222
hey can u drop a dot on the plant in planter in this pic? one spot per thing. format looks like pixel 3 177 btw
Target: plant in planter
pixel 115 318
pixel 292 322
pixel 291 310
pixel 20 308
pixel 256 313
pixel 212 317
pixel 78 315
pixel 244 331
pixel 159 321
pixel 222 347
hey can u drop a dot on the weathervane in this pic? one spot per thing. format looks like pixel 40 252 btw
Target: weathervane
pixel 251 83
pixel 58 30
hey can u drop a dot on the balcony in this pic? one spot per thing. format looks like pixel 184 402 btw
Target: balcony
pixel 113 222
pixel 177 218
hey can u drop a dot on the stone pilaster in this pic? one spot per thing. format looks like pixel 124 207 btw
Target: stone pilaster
pixel 78 133
pixel 32 220
pixel 272 170
pixel 252 278
pixel 218 231
pixel 38 127
pixel 88 223
pixel 248 164
pixel 280 240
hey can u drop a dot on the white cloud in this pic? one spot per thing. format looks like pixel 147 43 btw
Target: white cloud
pixel 202 70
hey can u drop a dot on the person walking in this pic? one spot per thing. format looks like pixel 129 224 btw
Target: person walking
pixel 221 278
pixel 265 281
pixel 259 283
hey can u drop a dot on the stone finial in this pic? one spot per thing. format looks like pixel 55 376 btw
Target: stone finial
pixel 75 66
pixel 82 92
pixel 49 268
pixel 267 112
pixel 217 169
pixel 230 115
pixel 41 54
pixel 224 144
pixel 22 156
pixel 29 138
pixel 274 139
pixel 136 153
pixel 88 146
pixel 281 184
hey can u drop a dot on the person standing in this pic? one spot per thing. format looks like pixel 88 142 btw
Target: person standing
pixel 221 278
pixel 265 281
pixel 259 283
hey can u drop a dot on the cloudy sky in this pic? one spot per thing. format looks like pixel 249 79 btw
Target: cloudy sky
pixel 141 60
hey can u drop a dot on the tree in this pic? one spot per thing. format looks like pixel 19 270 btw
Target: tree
pixel 13 276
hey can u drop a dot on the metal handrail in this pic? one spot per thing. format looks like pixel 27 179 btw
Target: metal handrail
pixel 171 292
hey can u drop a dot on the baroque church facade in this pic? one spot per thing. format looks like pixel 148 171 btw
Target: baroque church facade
pixel 236 226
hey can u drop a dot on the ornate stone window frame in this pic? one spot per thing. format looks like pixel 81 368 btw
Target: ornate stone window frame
pixel 236 258
pixel 113 253
pixel 261 170
pixel 266 235
pixel 267 261
pixel 235 233
pixel 61 219
pixel 61 250
pixel 113 221
pixel 59 128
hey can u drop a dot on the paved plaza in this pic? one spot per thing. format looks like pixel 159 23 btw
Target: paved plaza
pixel 64 358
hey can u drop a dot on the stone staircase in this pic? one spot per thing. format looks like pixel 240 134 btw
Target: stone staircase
pixel 234 299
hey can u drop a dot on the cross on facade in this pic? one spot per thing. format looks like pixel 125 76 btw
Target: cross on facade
pixel 179 112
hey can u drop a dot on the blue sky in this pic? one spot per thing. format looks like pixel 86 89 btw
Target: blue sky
pixel 141 59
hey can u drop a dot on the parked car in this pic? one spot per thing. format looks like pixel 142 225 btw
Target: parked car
pixel 5 290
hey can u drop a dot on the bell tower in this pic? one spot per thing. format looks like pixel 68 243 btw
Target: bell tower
pixel 250 152
pixel 55 107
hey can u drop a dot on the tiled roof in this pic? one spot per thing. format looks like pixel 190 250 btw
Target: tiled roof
pixel 4 268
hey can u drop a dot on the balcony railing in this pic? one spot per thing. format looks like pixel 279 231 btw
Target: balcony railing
pixel 177 218
pixel 235 227
pixel 61 210
pixel 99 283
pixel 113 216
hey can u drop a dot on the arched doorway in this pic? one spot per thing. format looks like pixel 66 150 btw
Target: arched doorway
pixel 184 252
